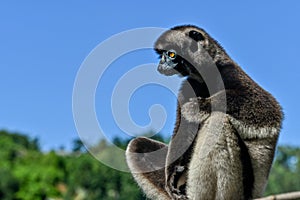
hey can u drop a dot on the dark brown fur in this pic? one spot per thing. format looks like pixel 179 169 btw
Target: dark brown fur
pixel 243 152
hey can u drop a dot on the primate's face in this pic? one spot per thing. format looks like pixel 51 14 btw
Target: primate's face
pixel 171 63
pixel 177 51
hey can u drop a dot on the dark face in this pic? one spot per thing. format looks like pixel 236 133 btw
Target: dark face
pixel 172 45
pixel 171 63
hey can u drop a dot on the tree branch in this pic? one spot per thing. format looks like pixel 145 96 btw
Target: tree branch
pixel 285 196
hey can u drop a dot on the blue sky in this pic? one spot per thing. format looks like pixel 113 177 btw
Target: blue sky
pixel 42 45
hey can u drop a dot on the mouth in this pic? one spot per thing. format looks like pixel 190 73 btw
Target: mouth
pixel 166 69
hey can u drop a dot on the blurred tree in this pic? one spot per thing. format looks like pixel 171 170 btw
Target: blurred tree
pixel 39 174
pixel 9 185
pixel 21 140
pixel 285 173
pixel 120 143
pixel 78 146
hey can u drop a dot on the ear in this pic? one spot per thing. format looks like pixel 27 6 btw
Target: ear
pixel 197 36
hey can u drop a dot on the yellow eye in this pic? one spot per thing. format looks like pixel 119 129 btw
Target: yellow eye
pixel 171 54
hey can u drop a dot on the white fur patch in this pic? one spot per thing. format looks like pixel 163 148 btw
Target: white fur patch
pixel 252 132
pixel 191 112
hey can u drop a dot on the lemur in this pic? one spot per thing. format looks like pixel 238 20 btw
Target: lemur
pixel 226 128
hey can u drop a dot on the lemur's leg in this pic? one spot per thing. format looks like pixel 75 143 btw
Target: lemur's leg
pixel 146 160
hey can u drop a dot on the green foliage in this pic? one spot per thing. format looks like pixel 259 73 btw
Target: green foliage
pixel 20 140
pixel 9 185
pixel 39 175
pixel 26 173
pixel 285 173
